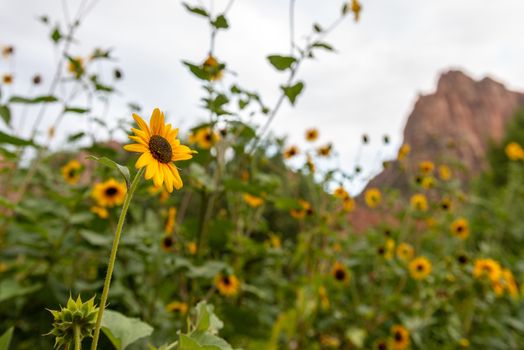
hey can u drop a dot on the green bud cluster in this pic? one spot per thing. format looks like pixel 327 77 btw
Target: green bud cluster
pixel 76 317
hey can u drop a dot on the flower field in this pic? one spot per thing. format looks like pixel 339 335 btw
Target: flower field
pixel 224 236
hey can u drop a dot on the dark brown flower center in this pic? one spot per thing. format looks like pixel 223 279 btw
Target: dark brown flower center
pixel 226 280
pixel 160 149
pixel 111 191
pixel 420 267
pixel 382 346
pixel 340 274
pixel 71 173
pixel 398 336
pixel 168 242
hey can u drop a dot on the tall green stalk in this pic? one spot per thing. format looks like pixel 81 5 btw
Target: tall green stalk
pixel 112 257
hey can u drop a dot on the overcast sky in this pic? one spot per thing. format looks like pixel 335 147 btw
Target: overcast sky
pixel 382 63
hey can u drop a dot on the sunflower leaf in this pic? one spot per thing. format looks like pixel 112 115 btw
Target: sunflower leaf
pixel 281 62
pixel 123 170
pixel 5 339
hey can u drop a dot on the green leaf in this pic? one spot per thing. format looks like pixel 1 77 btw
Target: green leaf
pixel 281 62
pixel 13 140
pixel 9 288
pixel 96 239
pixel 122 330
pixel 78 110
pixel 56 35
pixel 39 99
pixel 5 339
pixel 196 10
pixel 207 321
pixel 197 71
pixel 293 91
pixel 323 45
pixel 199 341
pixel 220 22
pixel 123 170
pixel 76 137
pixel 5 114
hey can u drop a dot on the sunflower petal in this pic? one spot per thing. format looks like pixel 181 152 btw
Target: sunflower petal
pixel 151 170
pixel 154 122
pixel 139 140
pixel 176 177
pixel 135 147
pixel 145 159
pixel 141 123
pixel 158 178
pixel 182 153
pixel 168 178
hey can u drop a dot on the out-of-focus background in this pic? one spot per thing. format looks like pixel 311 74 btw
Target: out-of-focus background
pixel 395 52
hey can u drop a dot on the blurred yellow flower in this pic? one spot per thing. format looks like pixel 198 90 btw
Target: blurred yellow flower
pixel 177 307
pixel 444 172
pixel 514 151
pixel 426 167
pixel 329 341
pixel 7 51
pixel 274 241
pixel 100 211
pixel 205 138
pixel 400 336
pixel 340 193
pixel 170 222
pixel 192 247
pixel 76 66
pixel 464 343
pixel 311 135
pixel 227 285
pixel 109 193
pixel 71 172
pixel 324 298
pixel 428 182
pixel 487 268
pixel 325 150
pixel 252 201
pixel 405 252
pixel 373 197
pixel 340 273
pixel 348 204
pixel 160 148
pixel 445 204
pixel 403 152
pixel 356 8
pixel 419 202
pixel 213 68
pixel 290 152
pixel 305 209
pixel 168 243
pixel 420 268
pixel 460 228
pixel 7 79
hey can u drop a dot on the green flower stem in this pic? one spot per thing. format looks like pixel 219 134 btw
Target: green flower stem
pixel 112 258
pixel 78 342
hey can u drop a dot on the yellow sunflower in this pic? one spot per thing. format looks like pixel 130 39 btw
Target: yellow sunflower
pixel 7 79
pixel 444 172
pixel 403 152
pixel 348 204
pixel 487 268
pixel 419 202
pixel 405 251
pixel 445 204
pixel 100 211
pixel 305 209
pixel 252 201
pixel 460 228
pixel 325 150
pixel 109 193
pixel 400 338
pixel 340 273
pixel 170 222
pixel 341 193
pixel 160 148
pixel 356 8
pixel 514 151
pixel 420 268
pixel 177 307
pixel 291 152
pixel 213 68
pixel 76 66
pixel 192 247
pixel 426 167
pixel 205 138
pixel 227 285
pixel 373 197
pixel 311 135
pixel 71 172
pixel 168 243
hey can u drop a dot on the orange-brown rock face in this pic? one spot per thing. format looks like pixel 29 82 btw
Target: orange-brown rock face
pixel 457 122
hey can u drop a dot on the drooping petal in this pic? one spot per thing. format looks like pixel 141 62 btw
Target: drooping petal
pixel 145 159
pixel 158 178
pixel 182 153
pixel 151 170
pixel 168 178
pixel 177 180
pixel 135 147
pixel 141 123
pixel 140 133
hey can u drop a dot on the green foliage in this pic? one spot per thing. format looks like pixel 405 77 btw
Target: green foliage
pixel 5 339
pixel 123 331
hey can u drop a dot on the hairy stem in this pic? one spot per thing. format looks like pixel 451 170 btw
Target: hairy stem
pixel 112 257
